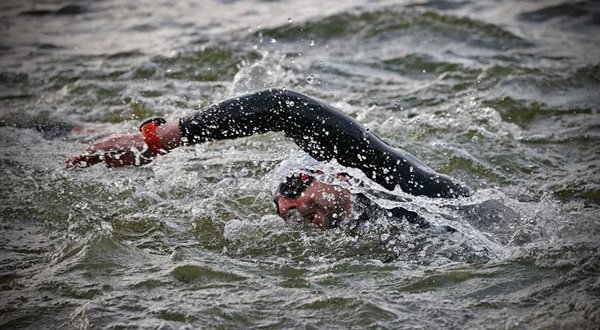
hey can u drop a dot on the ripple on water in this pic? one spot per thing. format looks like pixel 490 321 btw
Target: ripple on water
pixel 197 273
pixel 565 10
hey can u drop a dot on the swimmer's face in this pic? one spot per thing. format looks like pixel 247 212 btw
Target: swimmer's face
pixel 319 203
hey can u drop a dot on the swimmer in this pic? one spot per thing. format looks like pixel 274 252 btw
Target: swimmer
pixel 322 131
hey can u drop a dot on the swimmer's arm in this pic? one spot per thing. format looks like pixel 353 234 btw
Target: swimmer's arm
pixel 255 113
pixel 126 150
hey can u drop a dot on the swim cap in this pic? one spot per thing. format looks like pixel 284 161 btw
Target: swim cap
pixel 303 163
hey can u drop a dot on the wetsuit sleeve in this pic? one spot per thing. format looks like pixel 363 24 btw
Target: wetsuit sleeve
pixel 323 132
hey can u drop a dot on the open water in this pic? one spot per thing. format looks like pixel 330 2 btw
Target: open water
pixel 503 95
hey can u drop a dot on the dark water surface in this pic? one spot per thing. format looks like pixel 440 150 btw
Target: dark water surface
pixel 503 95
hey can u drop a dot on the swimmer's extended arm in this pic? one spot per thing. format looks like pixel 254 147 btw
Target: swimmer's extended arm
pixel 125 150
pixel 319 129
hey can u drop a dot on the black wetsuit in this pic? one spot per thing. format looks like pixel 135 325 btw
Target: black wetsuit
pixel 324 133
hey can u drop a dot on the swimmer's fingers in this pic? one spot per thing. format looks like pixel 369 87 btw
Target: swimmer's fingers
pixel 89 156
pixel 124 150
pixel 83 160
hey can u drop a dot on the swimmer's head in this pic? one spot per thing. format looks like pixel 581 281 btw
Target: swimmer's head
pixel 311 189
pixel 319 203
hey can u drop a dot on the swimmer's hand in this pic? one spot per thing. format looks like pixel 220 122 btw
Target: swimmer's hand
pixel 117 151
pixel 126 150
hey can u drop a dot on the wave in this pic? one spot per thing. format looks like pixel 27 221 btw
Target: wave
pixel 385 23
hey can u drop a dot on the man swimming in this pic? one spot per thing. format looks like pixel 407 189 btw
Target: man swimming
pixel 322 131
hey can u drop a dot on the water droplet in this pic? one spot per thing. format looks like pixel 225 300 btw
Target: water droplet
pixel 273 40
pixel 290 20
pixel 310 79
pixel 311 42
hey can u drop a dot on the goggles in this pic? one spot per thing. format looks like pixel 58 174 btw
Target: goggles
pixel 295 185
